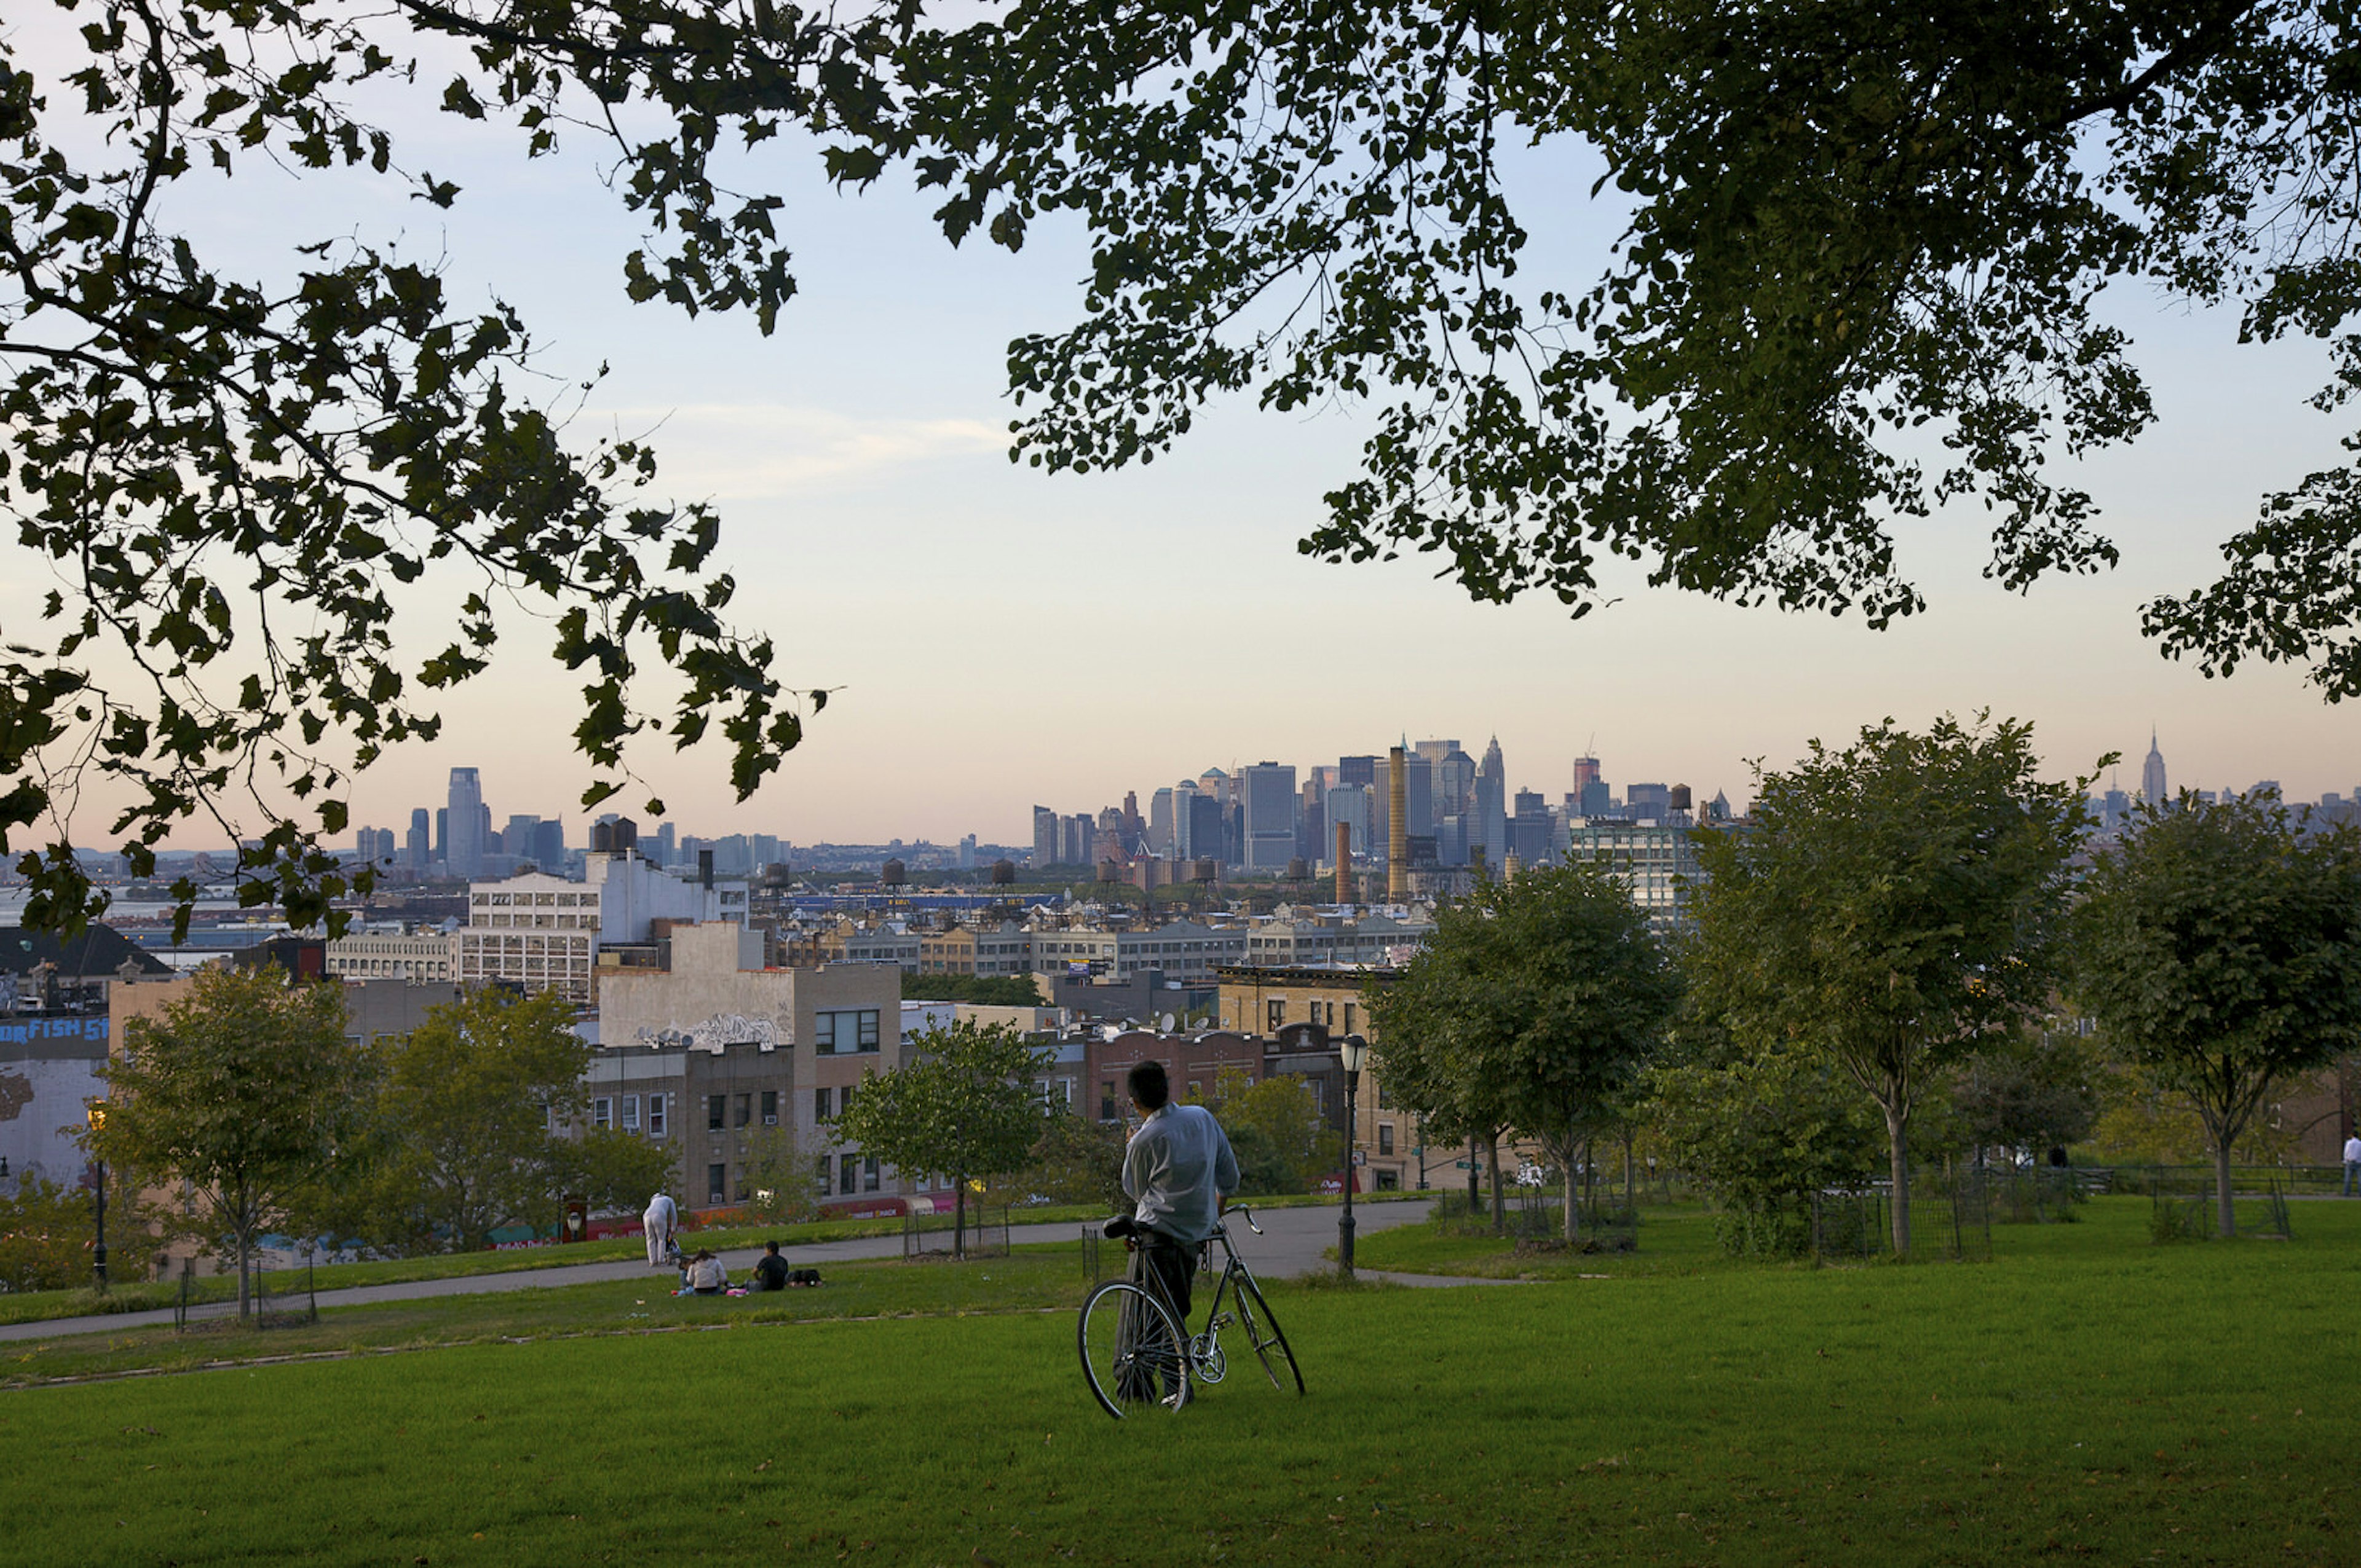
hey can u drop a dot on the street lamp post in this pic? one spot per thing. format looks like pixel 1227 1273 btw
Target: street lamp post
pixel 1356 1051
pixel 98 1253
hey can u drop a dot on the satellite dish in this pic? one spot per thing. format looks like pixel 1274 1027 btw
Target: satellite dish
pixel 1166 1023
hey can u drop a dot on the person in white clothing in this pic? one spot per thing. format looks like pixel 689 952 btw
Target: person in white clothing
pixel 2351 1162
pixel 660 1222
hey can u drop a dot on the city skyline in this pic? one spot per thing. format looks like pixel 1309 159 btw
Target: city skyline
pixel 743 823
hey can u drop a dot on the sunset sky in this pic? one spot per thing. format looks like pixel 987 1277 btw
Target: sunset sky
pixel 997 638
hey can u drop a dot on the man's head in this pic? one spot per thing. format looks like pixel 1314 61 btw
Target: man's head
pixel 770 1247
pixel 1150 1087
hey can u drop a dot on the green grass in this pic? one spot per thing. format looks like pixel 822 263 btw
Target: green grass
pixel 2084 1395
pixel 41 1306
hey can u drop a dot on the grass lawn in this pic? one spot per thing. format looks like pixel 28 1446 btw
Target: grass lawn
pixel 2085 1396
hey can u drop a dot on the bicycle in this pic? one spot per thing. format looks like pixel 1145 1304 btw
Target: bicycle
pixel 1137 1353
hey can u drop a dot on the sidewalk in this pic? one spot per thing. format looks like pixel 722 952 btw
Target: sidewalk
pixel 1291 1243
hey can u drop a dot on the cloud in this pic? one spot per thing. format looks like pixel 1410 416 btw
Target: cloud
pixel 751 451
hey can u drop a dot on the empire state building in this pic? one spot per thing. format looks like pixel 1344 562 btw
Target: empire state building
pixel 2152 788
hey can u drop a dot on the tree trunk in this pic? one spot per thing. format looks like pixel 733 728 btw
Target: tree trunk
pixel 1573 1208
pixel 1499 1201
pixel 2225 1218
pixel 1897 1134
pixel 1474 1177
pixel 1631 1197
pixel 245 1275
pixel 959 1216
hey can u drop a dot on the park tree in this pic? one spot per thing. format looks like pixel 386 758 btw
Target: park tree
pixel 2032 1091
pixel 224 484
pixel 964 1107
pixel 1858 276
pixel 1553 995
pixel 1075 1160
pixel 1765 1124
pixel 1275 1130
pixel 2220 949
pixel 246 1092
pixel 1424 1055
pixel 1895 906
pixel 471 1130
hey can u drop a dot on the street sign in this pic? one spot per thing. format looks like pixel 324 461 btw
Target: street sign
pixel 1460 1164
pixel 1360 1156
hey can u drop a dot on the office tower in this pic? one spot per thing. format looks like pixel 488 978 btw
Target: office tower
pixel 1075 836
pixel 1215 783
pixel 766 849
pixel 1203 820
pixel 1397 827
pixel 1183 793
pixel 421 841
pixel 465 853
pixel 1455 791
pixel 1311 819
pixel 1269 799
pixel 667 843
pixel 1134 827
pixel 549 844
pixel 1357 771
pixel 1159 823
pixel 1349 812
pixel 1491 826
pixel 1435 751
pixel 1586 772
pixel 1530 829
pixel 1045 835
pixel 2152 788
pixel 1418 779
pixel 443 835
pixel 519 837
pixel 1646 802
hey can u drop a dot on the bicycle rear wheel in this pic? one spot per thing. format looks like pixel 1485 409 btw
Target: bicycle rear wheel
pixel 1270 1340
pixel 1135 1356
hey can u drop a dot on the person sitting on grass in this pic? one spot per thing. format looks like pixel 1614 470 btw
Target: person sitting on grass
pixel 706 1274
pixel 770 1269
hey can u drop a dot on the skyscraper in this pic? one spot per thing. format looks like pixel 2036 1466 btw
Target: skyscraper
pixel 1270 801
pixel 1491 828
pixel 466 851
pixel 2152 788
pixel 421 841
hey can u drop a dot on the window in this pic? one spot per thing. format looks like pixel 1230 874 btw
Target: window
pixel 840 1032
pixel 869 1175
pixel 1106 1100
pixel 770 1107
pixel 1385 1101
pixel 847 1170
pixel 602 1111
pixel 631 1113
pixel 1276 1011
pixel 745 1109
pixel 714 1106
pixel 655 1116
pixel 715 1191
pixel 1385 1138
pixel 820 1104
pixel 1389 1180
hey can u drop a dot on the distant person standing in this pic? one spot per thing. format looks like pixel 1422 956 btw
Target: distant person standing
pixel 660 1222
pixel 2351 1162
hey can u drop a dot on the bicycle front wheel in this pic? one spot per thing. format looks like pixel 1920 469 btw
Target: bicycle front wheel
pixel 1268 1340
pixel 1135 1356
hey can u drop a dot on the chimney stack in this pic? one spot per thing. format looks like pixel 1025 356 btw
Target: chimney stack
pixel 1396 825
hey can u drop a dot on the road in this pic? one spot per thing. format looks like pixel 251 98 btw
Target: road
pixel 1292 1242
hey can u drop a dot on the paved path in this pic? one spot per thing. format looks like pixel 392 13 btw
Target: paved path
pixel 1291 1243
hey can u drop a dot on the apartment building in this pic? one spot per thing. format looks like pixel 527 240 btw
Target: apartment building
pixel 543 932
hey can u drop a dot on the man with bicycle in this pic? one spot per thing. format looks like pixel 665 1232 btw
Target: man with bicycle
pixel 1179 1170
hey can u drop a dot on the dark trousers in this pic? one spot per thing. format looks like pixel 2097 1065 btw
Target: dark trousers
pixel 1171 1266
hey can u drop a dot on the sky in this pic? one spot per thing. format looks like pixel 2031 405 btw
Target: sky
pixel 996 638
